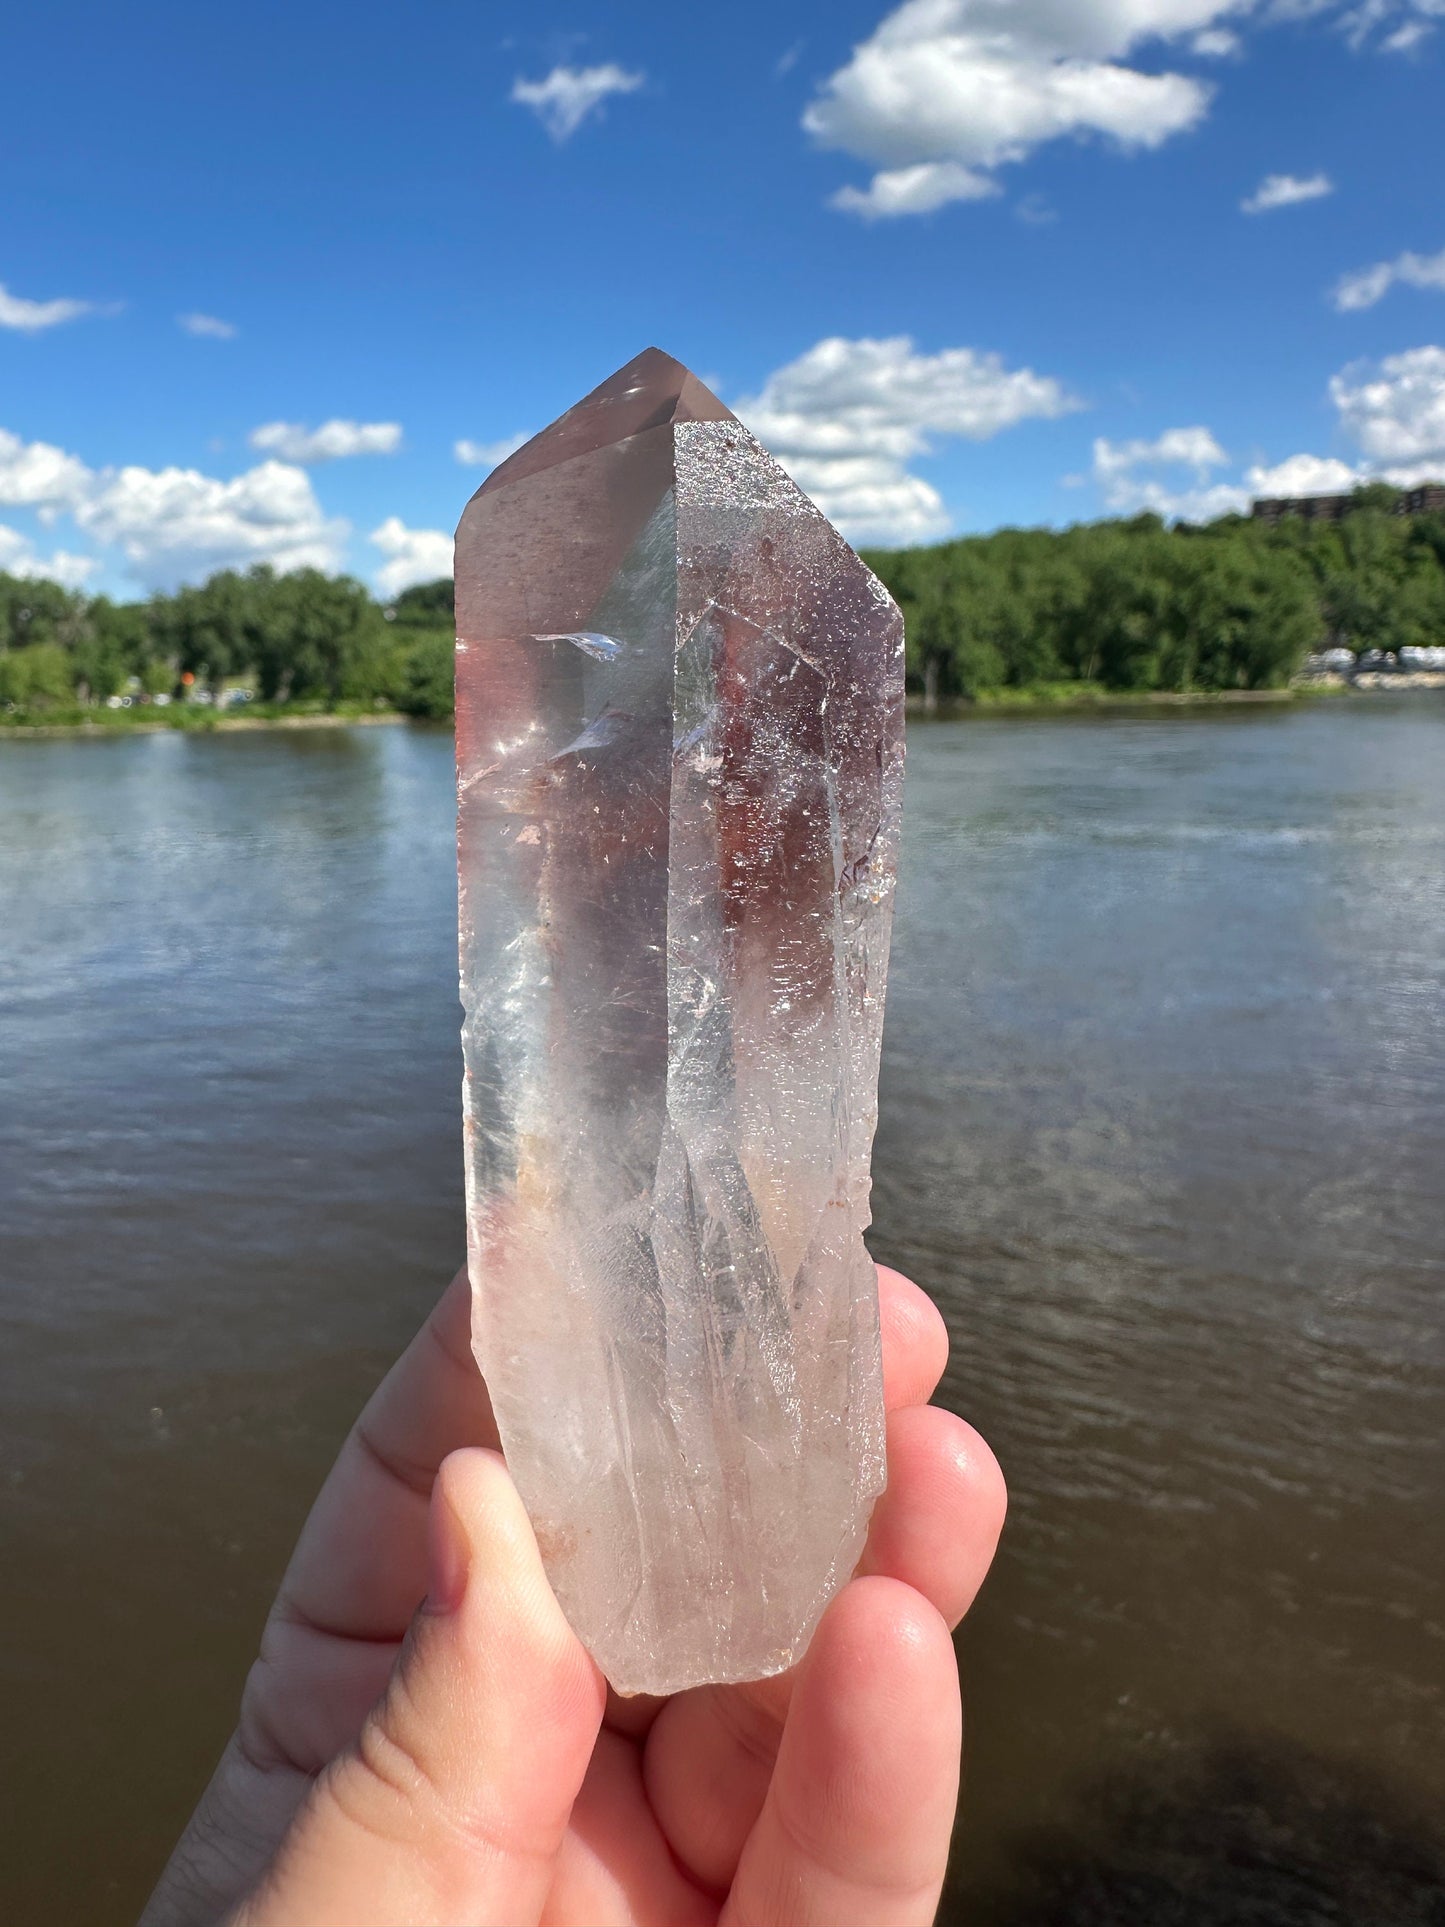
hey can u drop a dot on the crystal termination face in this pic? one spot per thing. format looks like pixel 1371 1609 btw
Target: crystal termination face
pixel 679 758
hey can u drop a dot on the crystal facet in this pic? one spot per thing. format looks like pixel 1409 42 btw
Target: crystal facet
pixel 679 751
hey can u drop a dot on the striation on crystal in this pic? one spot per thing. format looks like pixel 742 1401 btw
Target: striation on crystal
pixel 679 757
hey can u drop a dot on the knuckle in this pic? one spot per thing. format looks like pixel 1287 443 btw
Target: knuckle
pixel 386 1784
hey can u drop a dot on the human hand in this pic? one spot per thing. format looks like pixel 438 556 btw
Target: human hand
pixel 462 1762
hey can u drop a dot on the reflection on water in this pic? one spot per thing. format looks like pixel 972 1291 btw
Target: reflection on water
pixel 1164 1122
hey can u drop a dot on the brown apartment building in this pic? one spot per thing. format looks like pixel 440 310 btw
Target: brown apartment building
pixel 1428 499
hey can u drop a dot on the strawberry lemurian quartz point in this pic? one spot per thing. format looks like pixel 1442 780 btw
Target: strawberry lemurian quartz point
pixel 679 760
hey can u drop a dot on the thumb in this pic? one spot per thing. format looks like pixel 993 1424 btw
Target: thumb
pixel 452 1805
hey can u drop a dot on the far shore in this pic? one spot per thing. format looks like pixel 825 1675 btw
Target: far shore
pixel 1090 696
pixel 1048 697
pixel 1055 696
pixel 152 722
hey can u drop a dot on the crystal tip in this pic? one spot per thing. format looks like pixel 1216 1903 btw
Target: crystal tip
pixel 650 391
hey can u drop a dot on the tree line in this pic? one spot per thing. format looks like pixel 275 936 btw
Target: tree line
pixel 301 638
pixel 1135 605
pixel 1123 605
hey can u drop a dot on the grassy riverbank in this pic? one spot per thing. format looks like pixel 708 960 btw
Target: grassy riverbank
pixel 1032 698
pixel 200 720
pixel 192 719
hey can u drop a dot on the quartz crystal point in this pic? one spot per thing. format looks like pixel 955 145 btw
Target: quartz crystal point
pixel 679 751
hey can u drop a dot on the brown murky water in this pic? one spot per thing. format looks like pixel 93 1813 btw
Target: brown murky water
pixel 1164 1130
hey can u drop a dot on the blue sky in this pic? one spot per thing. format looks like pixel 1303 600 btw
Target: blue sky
pixel 959 262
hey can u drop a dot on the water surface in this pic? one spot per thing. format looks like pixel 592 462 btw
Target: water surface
pixel 1164 1131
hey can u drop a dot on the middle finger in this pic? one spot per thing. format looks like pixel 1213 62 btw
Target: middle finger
pixel 709 1755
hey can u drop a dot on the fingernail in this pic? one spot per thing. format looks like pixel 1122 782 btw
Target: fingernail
pixel 449 1556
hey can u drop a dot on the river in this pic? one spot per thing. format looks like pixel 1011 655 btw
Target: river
pixel 1163 1131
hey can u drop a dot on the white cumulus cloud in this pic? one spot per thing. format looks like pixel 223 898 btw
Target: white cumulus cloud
pixel 174 524
pixel 563 99
pixel 415 555
pixel 1394 409
pixel 1286 190
pixel 1172 476
pixel 846 419
pixel 207 326
pixel 1305 475
pixel 332 441
pixel 1365 286
pixel 971 85
pixel 18 556
pixel 1193 448
pixel 39 475
pixel 487 454
pixel 914 190
pixel 33 317
pixel 943 93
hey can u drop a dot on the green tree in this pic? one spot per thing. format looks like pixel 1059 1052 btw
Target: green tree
pixel 425 684
pixel 1240 618
pixel 1380 496
pixel 211 631
pixel 33 610
pixel 1132 605
pixel 426 605
pixel 322 636
pixel 38 677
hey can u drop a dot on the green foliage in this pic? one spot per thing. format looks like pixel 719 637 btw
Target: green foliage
pixel 157 677
pixel 300 635
pixel 317 635
pixel 38 677
pixel 424 680
pixel 1024 614
pixel 426 605
pixel 1137 606
pixel 33 610
pixel 113 642
pixel 1377 495
pixel 302 638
